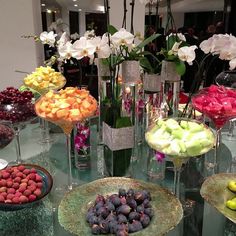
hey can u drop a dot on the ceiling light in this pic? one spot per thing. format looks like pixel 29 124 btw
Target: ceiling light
pixel 79 9
pixel 75 5
pixel 49 11
pixel 43 4
pixel 74 0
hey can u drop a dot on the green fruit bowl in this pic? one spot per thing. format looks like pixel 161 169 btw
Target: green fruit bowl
pixel 47 182
pixel 215 191
pixel 73 208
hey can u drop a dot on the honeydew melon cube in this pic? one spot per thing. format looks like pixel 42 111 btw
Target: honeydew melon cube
pixel 171 124
pixel 193 147
pixel 174 148
pixel 182 146
pixel 184 124
pixel 178 133
pixel 194 127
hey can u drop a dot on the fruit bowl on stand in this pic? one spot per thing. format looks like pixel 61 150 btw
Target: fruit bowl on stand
pixel 65 108
pixel 218 104
pixel 17 108
pixel 23 186
pixel 180 139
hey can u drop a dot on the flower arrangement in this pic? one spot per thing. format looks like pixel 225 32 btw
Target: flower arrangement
pixel 222 45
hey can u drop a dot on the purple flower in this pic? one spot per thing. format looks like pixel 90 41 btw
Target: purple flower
pixel 82 137
pixel 159 156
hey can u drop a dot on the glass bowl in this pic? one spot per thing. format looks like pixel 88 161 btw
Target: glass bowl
pixel 47 182
pixel 180 137
pixel 6 134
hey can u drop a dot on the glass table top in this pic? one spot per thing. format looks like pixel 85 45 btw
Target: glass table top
pixel 42 219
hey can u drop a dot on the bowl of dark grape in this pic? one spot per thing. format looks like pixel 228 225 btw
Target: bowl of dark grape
pixel 119 206
pixel 16 106
pixel 6 134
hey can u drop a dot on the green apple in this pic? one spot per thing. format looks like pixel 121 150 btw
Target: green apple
pixel 232 185
pixel 195 127
pixel 231 204
pixel 184 124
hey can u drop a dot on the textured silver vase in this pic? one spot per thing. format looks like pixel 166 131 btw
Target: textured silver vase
pixel 152 82
pixel 130 72
pixel 168 72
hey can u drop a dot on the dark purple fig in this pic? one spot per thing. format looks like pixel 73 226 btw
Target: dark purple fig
pixel 110 206
pixel 123 200
pixel 149 212
pixel 145 220
pixel 132 203
pixel 89 215
pixel 122 233
pixel 103 212
pixel 134 216
pixel 111 217
pixel 146 203
pixel 99 204
pixel 93 220
pixel 112 226
pixel 99 198
pixel 121 219
pixel 139 197
pixel 116 201
pixel 122 227
pixel 124 209
pixel 135 226
pixel 122 192
pixel 147 195
pixel 130 192
pixel 140 209
pixel 104 227
pixel 95 229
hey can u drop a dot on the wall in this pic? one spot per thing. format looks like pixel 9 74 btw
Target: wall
pixel 116 15
pixel 17 18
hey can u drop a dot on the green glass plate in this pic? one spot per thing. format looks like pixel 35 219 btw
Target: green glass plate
pixel 214 190
pixel 73 207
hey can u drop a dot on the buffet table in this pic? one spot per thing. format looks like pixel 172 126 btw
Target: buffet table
pixel 42 219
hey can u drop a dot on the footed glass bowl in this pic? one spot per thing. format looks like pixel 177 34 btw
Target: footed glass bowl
pixel 47 182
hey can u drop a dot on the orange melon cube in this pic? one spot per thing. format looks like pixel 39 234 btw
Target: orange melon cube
pixel 85 104
pixel 63 105
pixel 62 113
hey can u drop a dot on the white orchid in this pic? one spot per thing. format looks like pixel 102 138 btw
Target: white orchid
pixel 187 54
pixel 232 64
pixel 102 48
pixel 180 36
pixel 65 51
pixel 83 48
pixel 122 38
pixel 63 40
pixel 175 48
pixel 223 45
pixel 48 38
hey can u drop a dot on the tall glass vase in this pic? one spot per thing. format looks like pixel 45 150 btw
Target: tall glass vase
pixel 170 87
pixel 152 96
pixel 104 94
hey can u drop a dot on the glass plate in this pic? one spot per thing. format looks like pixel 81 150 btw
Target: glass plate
pixel 214 190
pixel 73 207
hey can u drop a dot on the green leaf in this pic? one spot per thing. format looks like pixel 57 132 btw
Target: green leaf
pixel 147 41
pixel 180 67
pixel 171 41
pixel 123 122
pixel 112 29
pixel 146 65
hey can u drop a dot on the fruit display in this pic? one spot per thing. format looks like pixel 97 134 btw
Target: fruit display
pixel 19 185
pixel 67 106
pixel 231 203
pixel 16 106
pixel 6 135
pixel 43 79
pixel 126 212
pixel 180 138
pixel 216 102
